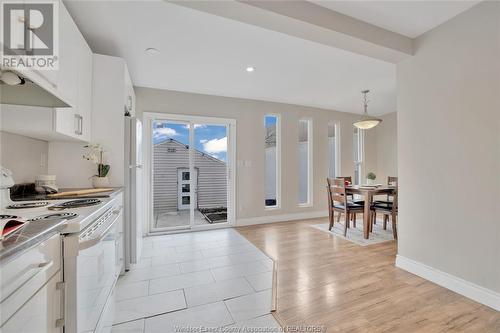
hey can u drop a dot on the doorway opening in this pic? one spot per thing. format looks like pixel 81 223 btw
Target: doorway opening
pixel 190 176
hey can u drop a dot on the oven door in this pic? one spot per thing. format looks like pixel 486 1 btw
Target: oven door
pixel 93 273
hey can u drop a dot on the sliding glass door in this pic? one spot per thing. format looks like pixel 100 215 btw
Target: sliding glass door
pixel 190 184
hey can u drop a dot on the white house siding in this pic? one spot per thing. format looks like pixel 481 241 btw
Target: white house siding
pixel 212 180
pixel 271 173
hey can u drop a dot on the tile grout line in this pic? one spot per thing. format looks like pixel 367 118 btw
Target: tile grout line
pixel 230 314
pixel 240 248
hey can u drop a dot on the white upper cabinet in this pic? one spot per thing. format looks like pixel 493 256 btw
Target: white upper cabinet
pixel 68 57
pixel 84 103
pixel 73 82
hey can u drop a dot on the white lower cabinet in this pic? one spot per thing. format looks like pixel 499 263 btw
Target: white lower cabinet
pixel 41 314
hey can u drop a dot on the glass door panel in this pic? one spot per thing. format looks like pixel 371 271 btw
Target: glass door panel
pixel 171 175
pixel 191 161
pixel 210 195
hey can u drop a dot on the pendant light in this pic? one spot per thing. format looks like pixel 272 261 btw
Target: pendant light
pixel 366 121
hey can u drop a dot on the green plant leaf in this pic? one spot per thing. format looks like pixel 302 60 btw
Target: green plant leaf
pixel 103 170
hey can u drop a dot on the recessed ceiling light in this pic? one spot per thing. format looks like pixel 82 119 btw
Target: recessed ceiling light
pixel 250 69
pixel 152 50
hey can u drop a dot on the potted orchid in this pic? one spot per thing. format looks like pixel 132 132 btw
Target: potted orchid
pixel 95 154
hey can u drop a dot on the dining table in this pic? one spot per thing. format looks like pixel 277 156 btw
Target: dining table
pixel 368 192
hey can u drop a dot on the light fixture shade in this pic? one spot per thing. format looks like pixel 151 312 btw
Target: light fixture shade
pixel 367 122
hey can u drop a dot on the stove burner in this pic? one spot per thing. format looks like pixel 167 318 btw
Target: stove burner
pixel 54 217
pixel 28 205
pixel 75 204
pixel 9 217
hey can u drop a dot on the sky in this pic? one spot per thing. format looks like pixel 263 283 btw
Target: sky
pixel 210 139
pixel 270 120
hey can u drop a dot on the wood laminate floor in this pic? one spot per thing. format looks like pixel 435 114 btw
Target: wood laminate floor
pixel 325 280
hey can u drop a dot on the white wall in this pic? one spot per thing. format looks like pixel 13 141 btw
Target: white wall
pixel 25 157
pixel 449 150
pixel 249 115
pixel 387 152
pixel 66 161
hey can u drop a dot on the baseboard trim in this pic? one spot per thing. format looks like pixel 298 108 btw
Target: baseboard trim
pixel 280 218
pixel 460 286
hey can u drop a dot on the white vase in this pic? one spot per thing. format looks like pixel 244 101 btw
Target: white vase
pixel 100 182
pixel 370 181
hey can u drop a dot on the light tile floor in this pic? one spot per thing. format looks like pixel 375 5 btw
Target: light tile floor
pixel 201 279
pixel 178 218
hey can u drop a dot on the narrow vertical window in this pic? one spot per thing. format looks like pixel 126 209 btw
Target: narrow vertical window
pixel 358 150
pixel 305 162
pixel 333 150
pixel 272 161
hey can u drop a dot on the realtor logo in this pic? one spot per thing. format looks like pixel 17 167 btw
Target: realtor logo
pixel 29 35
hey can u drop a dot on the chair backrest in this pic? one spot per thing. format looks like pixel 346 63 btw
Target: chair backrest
pixel 336 191
pixel 392 181
pixel 395 200
pixel 346 179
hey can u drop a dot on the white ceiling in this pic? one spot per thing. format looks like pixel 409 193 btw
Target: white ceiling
pixel 409 18
pixel 208 54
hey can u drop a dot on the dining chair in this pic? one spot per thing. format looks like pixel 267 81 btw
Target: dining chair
pixel 337 202
pixel 391 181
pixel 388 208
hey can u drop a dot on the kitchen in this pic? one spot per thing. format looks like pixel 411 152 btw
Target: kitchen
pixel 61 248
pixel 265 166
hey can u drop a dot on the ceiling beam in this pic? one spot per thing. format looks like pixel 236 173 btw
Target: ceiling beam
pixel 309 21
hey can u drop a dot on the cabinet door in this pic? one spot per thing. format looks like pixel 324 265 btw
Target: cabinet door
pixel 66 122
pixel 68 57
pixel 84 109
pixel 41 313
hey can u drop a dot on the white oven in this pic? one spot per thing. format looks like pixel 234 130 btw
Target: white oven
pixel 91 268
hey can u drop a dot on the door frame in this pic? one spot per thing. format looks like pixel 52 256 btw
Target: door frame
pixel 147 121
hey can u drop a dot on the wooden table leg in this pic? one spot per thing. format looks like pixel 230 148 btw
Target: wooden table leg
pixel 366 214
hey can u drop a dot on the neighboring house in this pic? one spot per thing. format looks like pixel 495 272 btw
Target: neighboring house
pixel 171 178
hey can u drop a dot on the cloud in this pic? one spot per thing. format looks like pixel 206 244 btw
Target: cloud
pixel 196 126
pixel 215 146
pixel 165 131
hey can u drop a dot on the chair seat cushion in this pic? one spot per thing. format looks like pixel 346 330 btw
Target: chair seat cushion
pixel 382 202
pixel 350 205
pixel 382 205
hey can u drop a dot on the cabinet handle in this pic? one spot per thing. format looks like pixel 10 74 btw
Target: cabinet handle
pixel 79 124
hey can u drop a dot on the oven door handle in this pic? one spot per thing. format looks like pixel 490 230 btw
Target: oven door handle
pixel 86 243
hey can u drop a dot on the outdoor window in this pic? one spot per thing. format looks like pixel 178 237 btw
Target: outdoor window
pixel 305 162
pixel 359 152
pixel 333 150
pixel 272 160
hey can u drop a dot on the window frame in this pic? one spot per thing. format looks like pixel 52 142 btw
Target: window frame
pixel 359 152
pixel 278 161
pixel 338 155
pixel 310 164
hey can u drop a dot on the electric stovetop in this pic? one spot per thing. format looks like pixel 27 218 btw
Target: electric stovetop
pixel 26 192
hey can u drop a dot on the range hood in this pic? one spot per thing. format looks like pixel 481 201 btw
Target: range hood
pixel 30 93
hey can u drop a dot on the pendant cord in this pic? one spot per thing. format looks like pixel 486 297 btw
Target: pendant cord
pixel 365 100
